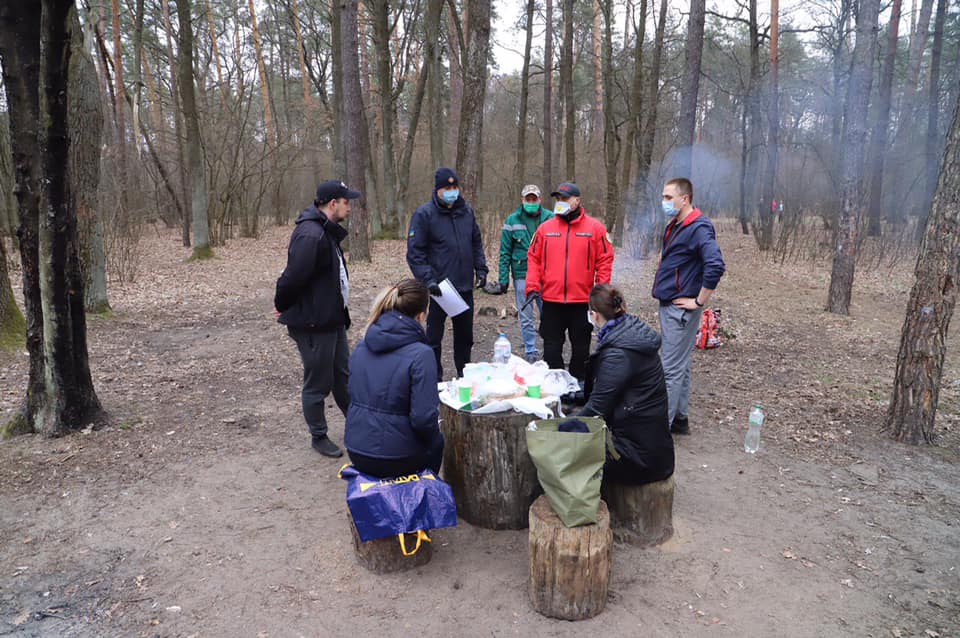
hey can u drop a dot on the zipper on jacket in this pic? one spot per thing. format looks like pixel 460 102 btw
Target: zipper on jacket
pixel 566 263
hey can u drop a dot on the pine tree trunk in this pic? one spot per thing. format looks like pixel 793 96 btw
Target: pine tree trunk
pixel 435 83
pixel 181 156
pixel 86 127
pixel 858 97
pixel 191 122
pixel 121 125
pixel 878 142
pixel 933 104
pixel 268 120
pixel 8 201
pixel 916 386
pixel 566 89
pixel 634 119
pixel 381 40
pixel 12 325
pixel 456 55
pixel 690 89
pixel 336 61
pixel 596 128
pixel 548 183
pixel 764 228
pixel 354 133
pixel 470 138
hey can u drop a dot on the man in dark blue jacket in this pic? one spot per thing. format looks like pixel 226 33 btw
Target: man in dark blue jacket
pixel 444 243
pixel 691 266
pixel 312 297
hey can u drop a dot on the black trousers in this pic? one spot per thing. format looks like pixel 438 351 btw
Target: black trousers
pixel 558 320
pixel 462 333
pixel 431 458
pixel 326 360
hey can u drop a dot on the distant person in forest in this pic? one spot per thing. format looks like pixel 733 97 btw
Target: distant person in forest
pixel 312 299
pixel 691 266
pixel 393 423
pixel 444 242
pixel 625 386
pixel 569 254
pixel 515 238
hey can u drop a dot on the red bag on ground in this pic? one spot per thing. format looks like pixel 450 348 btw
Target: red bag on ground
pixel 708 336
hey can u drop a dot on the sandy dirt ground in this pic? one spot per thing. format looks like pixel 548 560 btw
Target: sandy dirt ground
pixel 198 507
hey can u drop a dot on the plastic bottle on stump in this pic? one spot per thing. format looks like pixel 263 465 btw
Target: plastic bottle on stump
pixel 501 349
pixel 751 443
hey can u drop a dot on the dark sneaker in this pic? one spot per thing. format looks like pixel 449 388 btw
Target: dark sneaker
pixel 680 425
pixel 326 447
pixel 532 357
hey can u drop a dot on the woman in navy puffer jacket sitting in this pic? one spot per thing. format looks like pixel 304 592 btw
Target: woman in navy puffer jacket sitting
pixel 392 425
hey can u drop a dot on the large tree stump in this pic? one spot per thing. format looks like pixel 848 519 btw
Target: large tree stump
pixel 569 566
pixel 641 514
pixel 485 461
pixel 383 556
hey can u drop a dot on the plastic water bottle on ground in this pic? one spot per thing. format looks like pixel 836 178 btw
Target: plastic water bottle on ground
pixel 751 443
pixel 501 349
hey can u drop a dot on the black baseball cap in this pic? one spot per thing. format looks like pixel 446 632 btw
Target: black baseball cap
pixel 335 189
pixel 566 189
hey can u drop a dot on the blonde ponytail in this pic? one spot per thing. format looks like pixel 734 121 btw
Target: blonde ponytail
pixel 408 296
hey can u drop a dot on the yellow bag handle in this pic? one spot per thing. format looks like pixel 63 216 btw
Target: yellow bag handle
pixel 421 536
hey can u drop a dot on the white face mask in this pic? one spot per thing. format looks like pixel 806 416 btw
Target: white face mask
pixel 590 319
pixel 561 209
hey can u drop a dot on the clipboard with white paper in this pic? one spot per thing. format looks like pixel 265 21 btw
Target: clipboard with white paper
pixel 451 301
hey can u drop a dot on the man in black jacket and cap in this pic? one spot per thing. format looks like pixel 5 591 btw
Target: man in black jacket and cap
pixel 311 299
pixel 444 243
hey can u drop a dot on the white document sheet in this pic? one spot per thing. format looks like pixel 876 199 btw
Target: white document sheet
pixel 451 301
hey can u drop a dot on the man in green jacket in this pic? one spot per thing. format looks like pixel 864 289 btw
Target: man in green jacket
pixel 515 240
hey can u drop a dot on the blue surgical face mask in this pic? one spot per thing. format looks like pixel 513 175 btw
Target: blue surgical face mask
pixel 451 196
pixel 668 209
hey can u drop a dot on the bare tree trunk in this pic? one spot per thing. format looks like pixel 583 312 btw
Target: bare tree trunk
pixel 690 89
pixel 434 83
pixel 118 112
pixel 611 140
pixel 191 121
pixel 598 104
pixel 548 99
pixel 764 228
pixel 178 127
pixel 137 72
pixel 268 119
pixel 634 120
pixel 336 37
pixel 878 142
pixel 566 89
pixel 520 171
pixel 381 40
pixel 432 25
pixel 86 128
pixel 845 250
pixel 470 138
pixel 353 129
pixel 933 103
pixel 216 49
pixel 916 385
pixel 918 43
pixel 457 56
pixel 20 54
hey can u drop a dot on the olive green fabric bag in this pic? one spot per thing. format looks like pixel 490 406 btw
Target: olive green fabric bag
pixel 569 467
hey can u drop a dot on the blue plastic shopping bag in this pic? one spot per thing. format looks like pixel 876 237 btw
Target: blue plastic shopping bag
pixel 383 507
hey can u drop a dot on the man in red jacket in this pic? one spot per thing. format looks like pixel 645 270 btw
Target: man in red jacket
pixel 569 254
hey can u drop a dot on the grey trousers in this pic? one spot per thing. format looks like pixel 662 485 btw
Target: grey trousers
pixel 678 330
pixel 326 359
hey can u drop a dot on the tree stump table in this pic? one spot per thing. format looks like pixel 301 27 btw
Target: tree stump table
pixel 383 556
pixel 641 514
pixel 569 566
pixel 485 461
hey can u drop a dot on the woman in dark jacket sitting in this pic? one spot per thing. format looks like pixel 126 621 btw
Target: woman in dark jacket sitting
pixel 392 425
pixel 625 385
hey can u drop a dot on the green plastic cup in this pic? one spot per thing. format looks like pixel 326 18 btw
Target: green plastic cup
pixel 533 391
pixel 464 390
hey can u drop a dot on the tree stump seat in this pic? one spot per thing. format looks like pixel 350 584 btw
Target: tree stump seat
pixel 641 514
pixel 486 463
pixel 383 556
pixel 569 566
